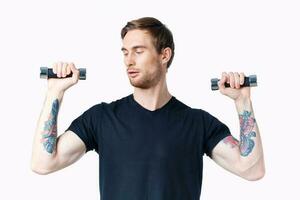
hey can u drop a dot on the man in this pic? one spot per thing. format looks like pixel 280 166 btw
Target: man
pixel 150 144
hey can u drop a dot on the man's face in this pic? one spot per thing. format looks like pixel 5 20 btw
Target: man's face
pixel 143 63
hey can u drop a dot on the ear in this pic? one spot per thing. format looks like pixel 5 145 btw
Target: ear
pixel 166 54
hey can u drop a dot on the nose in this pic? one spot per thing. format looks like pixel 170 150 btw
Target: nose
pixel 129 59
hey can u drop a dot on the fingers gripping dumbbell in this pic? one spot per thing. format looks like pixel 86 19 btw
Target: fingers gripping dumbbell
pixel 250 81
pixel 46 73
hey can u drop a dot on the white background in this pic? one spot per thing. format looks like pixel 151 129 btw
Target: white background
pixel 257 37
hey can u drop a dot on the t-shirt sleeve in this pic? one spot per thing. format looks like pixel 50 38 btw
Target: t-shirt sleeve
pixel 214 132
pixel 86 127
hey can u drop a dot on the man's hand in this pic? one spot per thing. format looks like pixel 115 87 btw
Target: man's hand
pixel 61 84
pixel 235 80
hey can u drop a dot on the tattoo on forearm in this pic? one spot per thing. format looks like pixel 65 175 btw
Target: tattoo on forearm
pixel 247 131
pixel 49 135
pixel 247 124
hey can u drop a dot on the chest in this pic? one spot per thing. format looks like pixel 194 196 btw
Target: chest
pixel 170 139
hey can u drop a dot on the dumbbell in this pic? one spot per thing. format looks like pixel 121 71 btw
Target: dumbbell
pixel 250 81
pixel 46 73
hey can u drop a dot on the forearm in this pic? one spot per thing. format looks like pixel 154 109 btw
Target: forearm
pixel 45 138
pixel 250 144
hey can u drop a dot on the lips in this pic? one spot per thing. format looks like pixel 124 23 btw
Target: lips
pixel 132 73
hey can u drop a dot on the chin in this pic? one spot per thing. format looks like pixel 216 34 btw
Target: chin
pixel 140 84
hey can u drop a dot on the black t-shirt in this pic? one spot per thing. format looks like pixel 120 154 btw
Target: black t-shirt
pixel 149 155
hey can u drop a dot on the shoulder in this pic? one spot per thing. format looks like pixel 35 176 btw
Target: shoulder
pixel 93 110
pixel 111 105
pixel 195 113
pixel 106 106
pixel 202 116
pixel 199 112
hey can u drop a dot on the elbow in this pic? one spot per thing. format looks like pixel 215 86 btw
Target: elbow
pixel 256 176
pixel 254 173
pixel 39 170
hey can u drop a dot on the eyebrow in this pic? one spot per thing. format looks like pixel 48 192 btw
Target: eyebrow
pixel 134 47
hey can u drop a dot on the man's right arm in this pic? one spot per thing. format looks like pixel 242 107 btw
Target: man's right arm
pixel 49 152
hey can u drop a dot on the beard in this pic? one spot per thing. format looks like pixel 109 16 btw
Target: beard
pixel 146 80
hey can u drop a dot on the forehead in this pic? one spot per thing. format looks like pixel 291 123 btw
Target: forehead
pixel 137 38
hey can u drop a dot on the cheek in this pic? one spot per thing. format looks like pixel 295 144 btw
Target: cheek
pixel 151 63
pixel 142 59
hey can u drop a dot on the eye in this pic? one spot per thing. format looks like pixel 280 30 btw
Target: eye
pixel 139 52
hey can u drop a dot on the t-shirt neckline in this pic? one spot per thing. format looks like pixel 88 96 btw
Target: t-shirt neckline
pixel 140 107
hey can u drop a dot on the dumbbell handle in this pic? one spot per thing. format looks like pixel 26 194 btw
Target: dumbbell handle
pixel 46 72
pixel 250 81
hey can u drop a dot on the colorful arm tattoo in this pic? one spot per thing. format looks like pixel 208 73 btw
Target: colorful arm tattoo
pixel 246 144
pixel 247 124
pixel 49 135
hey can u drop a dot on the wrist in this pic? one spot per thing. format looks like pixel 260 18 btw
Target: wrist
pixel 243 104
pixel 55 93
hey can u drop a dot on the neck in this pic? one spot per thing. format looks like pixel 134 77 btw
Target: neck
pixel 153 98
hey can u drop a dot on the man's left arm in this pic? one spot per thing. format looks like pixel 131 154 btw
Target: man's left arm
pixel 242 157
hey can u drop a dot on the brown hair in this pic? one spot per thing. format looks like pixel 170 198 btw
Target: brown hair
pixel 162 36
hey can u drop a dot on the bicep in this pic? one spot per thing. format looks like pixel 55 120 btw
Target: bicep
pixel 69 149
pixel 227 154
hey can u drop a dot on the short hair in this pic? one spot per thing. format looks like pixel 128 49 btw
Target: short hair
pixel 161 35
